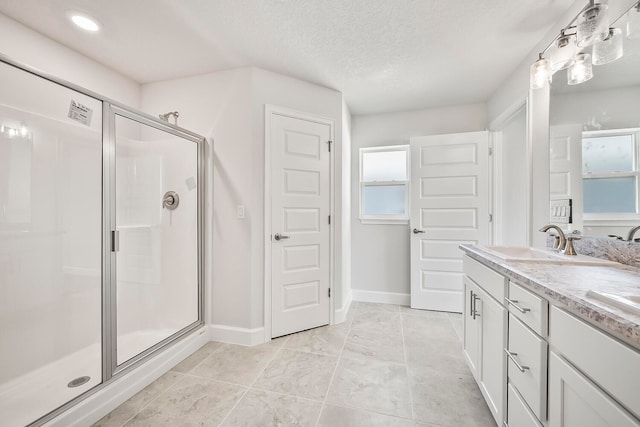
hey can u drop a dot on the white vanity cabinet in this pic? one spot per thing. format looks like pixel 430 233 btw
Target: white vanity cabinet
pixel 537 365
pixel 485 333
pixel 594 380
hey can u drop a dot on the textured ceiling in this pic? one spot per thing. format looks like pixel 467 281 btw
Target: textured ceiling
pixel 384 55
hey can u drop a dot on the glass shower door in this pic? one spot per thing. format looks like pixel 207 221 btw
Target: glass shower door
pixel 156 198
pixel 50 245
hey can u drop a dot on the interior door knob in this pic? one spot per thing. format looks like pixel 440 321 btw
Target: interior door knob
pixel 416 231
pixel 279 236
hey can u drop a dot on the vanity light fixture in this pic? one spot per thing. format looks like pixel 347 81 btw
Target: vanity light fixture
pixel 587 39
pixel 592 24
pixel 85 22
pixel 562 52
pixel 540 73
pixel 633 22
pixel 609 49
pixel 581 70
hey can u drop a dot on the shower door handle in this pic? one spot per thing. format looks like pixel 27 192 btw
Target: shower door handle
pixel 115 240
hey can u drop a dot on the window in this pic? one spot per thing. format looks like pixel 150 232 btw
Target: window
pixel 384 185
pixel 610 174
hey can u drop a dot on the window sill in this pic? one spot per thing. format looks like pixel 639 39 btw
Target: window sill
pixel 375 221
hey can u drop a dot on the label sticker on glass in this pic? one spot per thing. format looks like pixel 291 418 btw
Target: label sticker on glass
pixel 80 113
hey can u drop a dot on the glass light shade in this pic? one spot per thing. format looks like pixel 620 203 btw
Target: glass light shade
pixel 562 53
pixel 581 70
pixel 540 74
pixel 609 49
pixel 633 23
pixel 592 25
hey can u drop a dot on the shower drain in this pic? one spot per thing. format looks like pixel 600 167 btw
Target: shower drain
pixel 78 381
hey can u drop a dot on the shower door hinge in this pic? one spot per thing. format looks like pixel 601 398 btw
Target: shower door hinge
pixel 115 240
pixel 329 145
pixel 329 292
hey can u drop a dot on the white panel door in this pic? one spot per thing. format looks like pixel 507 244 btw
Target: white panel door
pixel 565 164
pixel 300 229
pixel 449 206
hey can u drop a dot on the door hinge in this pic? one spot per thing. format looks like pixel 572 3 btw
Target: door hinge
pixel 329 145
pixel 329 292
pixel 329 219
pixel 491 151
pixel 490 217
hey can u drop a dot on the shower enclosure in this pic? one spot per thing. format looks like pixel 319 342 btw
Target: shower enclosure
pixel 100 241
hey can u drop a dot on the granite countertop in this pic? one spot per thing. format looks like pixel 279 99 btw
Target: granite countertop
pixel 566 286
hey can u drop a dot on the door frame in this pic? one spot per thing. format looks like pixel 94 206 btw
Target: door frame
pixel 271 110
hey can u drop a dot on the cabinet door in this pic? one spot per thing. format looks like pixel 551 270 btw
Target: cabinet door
pixel 574 401
pixel 471 341
pixel 493 371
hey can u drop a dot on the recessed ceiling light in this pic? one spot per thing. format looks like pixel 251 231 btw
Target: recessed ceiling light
pixel 85 22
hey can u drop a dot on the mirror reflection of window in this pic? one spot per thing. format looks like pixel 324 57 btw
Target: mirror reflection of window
pixel 610 174
pixel 15 179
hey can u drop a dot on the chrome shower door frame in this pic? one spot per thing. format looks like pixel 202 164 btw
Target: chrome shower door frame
pixel 110 108
pixel 111 368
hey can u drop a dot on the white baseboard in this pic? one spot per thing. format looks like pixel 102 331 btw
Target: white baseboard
pixel 340 315
pixel 99 404
pixel 234 335
pixel 381 297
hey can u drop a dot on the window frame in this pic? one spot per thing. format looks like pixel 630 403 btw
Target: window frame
pixel 383 218
pixel 620 218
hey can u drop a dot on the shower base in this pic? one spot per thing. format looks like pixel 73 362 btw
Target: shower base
pixel 30 396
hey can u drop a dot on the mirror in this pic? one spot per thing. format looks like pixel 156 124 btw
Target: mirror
pixel 595 146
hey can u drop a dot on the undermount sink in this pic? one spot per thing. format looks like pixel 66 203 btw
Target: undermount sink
pixel 625 301
pixel 518 253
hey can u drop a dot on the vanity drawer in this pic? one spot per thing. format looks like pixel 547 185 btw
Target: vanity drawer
pixel 527 365
pixel 614 366
pixel 529 308
pixel 519 414
pixel 492 282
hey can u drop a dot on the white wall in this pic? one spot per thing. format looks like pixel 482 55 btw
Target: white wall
pixel 345 293
pixel 218 106
pixel 28 47
pixel 512 199
pixel 229 108
pixel 380 253
pixel 597 110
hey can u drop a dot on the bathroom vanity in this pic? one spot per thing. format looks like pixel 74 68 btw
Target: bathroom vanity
pixel 546 343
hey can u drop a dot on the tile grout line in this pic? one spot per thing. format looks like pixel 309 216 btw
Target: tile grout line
pixel 406 367
pixel 253 382
pixel 333 375
pixel 181 375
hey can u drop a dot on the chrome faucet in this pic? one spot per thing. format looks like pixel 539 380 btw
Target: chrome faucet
pixel 560 239
pixel 632 233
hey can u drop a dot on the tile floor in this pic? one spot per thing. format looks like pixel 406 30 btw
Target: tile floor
pixel 387 365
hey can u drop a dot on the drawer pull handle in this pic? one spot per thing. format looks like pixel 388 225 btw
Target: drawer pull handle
pixel 515 304
pixel 475 306
pixel 513 359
